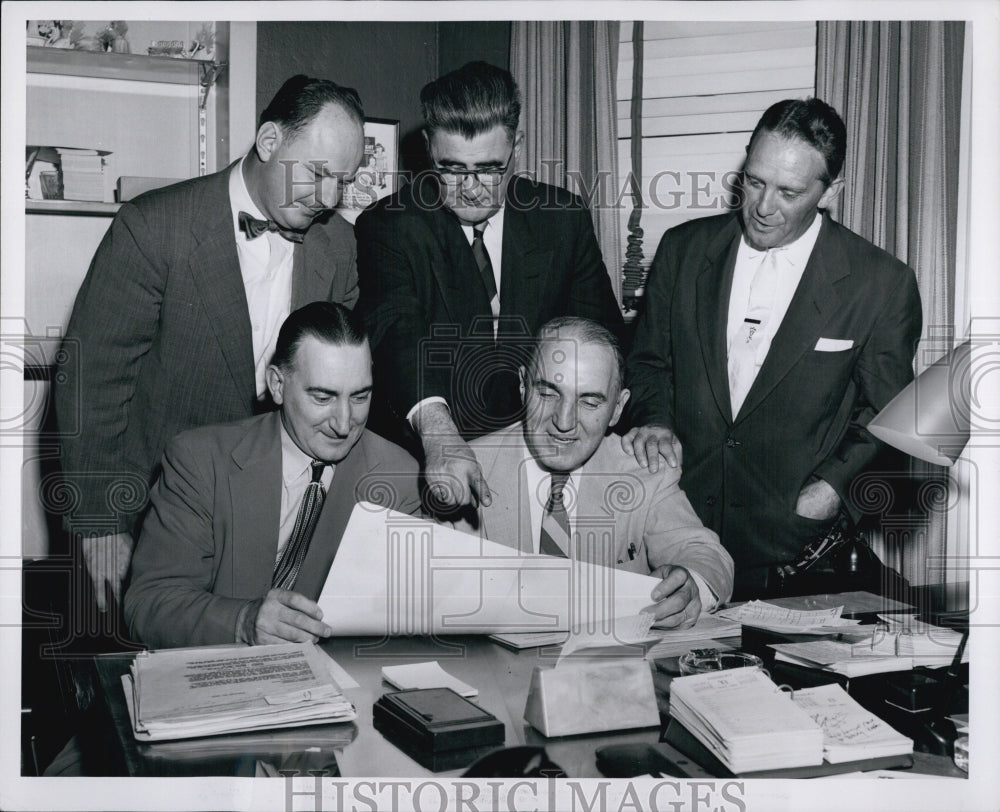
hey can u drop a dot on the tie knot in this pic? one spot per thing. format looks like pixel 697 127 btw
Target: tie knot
pixel 559 480
pixel 317 470
pixel 479 228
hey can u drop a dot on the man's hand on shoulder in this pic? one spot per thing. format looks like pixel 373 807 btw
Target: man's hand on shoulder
pixel 648 443
pixel 107 559
pixel 818 500
pixel 677 600
pixel 283 616
pixel 451 470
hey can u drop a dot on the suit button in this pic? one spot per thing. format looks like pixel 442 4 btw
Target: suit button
pixel 710 501
pixel 731 443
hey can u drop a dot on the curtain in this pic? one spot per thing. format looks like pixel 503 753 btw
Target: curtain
pixel 567 71
pixel 898 87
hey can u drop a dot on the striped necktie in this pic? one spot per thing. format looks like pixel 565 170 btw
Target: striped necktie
pixel 554 538
pixel 483 260
pixel 287 568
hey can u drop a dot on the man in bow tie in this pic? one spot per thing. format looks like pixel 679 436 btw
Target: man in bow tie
pixel 246 517
pixel 770 338
pixel 177 317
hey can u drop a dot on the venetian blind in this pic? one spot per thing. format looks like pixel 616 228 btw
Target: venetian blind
pixel 705 85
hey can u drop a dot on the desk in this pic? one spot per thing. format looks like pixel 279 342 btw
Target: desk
pixel 502 677
pixel 357 749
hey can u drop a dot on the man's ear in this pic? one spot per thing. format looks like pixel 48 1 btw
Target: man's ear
pixel 269 138
pixel 831 193
pixel 518 143
pixel 521 385
pixel 275 383
pixel 623 397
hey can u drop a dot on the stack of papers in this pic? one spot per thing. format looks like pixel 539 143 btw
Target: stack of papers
pixel 762 615
pixel 850 733
pixel 746 721
pixel 906 636
pixel 82 173
pixel 181 693
pixel 850 659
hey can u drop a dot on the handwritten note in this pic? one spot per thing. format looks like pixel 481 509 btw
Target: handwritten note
pixel 850 732
pixel 764 615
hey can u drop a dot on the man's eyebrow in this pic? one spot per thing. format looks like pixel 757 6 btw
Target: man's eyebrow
pixel 595 395
pixel 364 390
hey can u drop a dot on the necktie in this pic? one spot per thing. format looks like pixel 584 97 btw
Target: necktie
pixel 554 538
pixel 287 568
pixel 253 228
pixel 483 260
pixel 752 341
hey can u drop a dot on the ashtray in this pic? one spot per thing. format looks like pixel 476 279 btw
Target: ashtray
pixel 700 660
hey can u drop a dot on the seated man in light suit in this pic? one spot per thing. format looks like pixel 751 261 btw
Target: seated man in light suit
pixel 557 470
pixel 240 537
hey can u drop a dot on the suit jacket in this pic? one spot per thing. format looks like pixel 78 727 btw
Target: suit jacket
pixel 160 338
pixel 619 504
pixel 209 541
pixel 805 415
pixel 427 310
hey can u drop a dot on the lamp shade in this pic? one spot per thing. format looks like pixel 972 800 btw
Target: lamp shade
pixel 929 419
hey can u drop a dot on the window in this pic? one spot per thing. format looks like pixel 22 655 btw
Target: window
pixel 705 85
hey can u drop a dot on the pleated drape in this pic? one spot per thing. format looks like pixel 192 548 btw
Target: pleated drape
pixel 898 87
pixel 566 71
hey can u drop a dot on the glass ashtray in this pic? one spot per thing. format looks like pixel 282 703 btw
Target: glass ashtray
pixel 700 660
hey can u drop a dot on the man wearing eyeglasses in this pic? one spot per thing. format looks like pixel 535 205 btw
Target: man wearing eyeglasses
pixel 459 270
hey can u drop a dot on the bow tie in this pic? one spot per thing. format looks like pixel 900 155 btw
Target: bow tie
pixel 253 228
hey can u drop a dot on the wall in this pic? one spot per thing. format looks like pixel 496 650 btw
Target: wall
pixel 461 42
pixel 388 64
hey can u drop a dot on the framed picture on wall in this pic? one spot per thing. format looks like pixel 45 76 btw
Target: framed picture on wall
pixel 378 175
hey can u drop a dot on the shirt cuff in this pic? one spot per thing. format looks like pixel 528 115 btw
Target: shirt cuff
pixel 709 600
pixel 416 406
pixel 242 635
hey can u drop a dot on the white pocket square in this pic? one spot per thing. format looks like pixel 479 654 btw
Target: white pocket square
pixel 834 344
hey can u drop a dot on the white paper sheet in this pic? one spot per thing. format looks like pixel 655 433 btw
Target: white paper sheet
pixel 399 575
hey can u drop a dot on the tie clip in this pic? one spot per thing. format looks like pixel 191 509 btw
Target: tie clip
pixel 751 321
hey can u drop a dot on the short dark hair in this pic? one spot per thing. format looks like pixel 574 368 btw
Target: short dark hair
pixel 586 332
pixel 810 120
pixel 300 99
pixel 327 321
pixel 472 100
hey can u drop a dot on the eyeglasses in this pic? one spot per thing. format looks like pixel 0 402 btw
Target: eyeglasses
pixel 486 177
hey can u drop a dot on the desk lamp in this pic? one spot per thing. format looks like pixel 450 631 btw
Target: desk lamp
pixel 929 419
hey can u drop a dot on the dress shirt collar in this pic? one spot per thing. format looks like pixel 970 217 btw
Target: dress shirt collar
pixel 295 463
pixel 796 253
pixel 494 226
pixel 538 480
pixel 240 200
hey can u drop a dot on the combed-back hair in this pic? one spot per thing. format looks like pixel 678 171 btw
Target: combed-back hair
pixel 810 120
pixel 300 99
pixel 584 331
pixel 329 322
pixel 471 100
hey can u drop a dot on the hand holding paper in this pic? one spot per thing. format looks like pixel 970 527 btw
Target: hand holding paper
pixel 677 600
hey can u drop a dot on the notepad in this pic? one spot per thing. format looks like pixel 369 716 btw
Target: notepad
pixel 850 733
pixel 746 721
pixel 425 675
pixel 855 660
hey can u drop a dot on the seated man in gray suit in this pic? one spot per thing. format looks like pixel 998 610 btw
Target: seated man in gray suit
pixel 246 517
pixel 561 486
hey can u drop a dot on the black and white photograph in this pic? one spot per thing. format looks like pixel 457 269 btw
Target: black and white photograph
pixel 462 406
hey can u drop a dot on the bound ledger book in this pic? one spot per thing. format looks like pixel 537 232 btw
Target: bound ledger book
pixel 745 720
pixel 181 693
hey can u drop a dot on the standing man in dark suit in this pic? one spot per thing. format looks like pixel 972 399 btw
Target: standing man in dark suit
pixel 769 340
pixel 177 316
pixel 246 517
pixel 458 271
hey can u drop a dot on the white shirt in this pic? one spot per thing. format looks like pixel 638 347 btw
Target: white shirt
pixel 296 473
pixel 266 265
pixel 539 482
pixel 493 241
pixel 791 260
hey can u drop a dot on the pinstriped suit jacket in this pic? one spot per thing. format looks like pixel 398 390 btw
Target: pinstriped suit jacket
pixel 160 340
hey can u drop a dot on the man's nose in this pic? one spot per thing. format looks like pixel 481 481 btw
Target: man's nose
pixel 564 418
pixel 328 192
pixel 339 418
pixel 767 203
